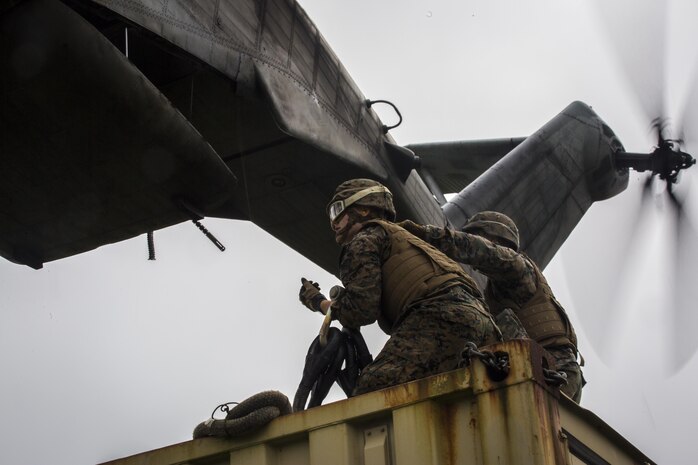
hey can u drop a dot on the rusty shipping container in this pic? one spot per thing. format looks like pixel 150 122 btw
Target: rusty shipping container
pixel 463 417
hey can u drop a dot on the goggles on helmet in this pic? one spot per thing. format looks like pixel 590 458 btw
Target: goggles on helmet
pixel 336 208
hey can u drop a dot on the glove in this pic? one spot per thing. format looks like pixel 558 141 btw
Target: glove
pixel 310 295
pixel 416 229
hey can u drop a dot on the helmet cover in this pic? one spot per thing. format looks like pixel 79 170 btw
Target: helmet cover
pixel 362 192
pixel 495 226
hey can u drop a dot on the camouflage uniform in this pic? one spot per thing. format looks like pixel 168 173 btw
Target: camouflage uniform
pixel 429 334
pixel 512 277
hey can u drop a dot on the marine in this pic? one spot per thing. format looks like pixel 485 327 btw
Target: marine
pixel 424 300
pixel 490 243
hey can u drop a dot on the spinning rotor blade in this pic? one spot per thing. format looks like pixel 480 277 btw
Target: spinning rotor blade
pixel 684 201
pixel 634 234
pixel 684 295
pixel 638 33
pixel 688 121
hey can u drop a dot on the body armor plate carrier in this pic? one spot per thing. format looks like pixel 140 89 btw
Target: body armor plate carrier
pixel 413 270
pixel 542 316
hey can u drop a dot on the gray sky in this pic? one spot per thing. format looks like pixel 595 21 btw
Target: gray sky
pixel 105 355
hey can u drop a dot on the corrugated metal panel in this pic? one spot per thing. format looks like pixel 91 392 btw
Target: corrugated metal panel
pixel 462 417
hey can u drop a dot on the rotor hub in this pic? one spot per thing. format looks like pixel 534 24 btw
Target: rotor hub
pixel 666 160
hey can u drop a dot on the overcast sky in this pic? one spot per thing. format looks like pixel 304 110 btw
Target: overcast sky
pixel 105 355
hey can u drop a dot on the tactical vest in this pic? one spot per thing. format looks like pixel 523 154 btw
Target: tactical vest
pixel 542 316
pixel 412 271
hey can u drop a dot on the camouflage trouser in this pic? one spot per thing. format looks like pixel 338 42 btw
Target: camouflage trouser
pixel 429 340
pixel 565 357
pixel 566 361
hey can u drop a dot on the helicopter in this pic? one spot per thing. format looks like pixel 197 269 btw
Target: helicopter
pixel 142 118
pixel 319 196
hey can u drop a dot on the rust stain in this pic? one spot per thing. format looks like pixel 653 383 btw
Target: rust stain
pixel 549 426
pixel 440 383
pixel 496 410
pixel 397 395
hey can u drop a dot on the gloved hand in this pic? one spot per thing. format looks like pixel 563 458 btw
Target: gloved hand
pixel 310 295
pixel 416 229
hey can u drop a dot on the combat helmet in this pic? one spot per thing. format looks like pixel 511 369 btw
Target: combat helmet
pixel 495 226
pixel 363 192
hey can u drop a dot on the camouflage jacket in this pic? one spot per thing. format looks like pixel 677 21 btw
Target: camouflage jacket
pixel 361 272
pixel 360 265
pixel 512 273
